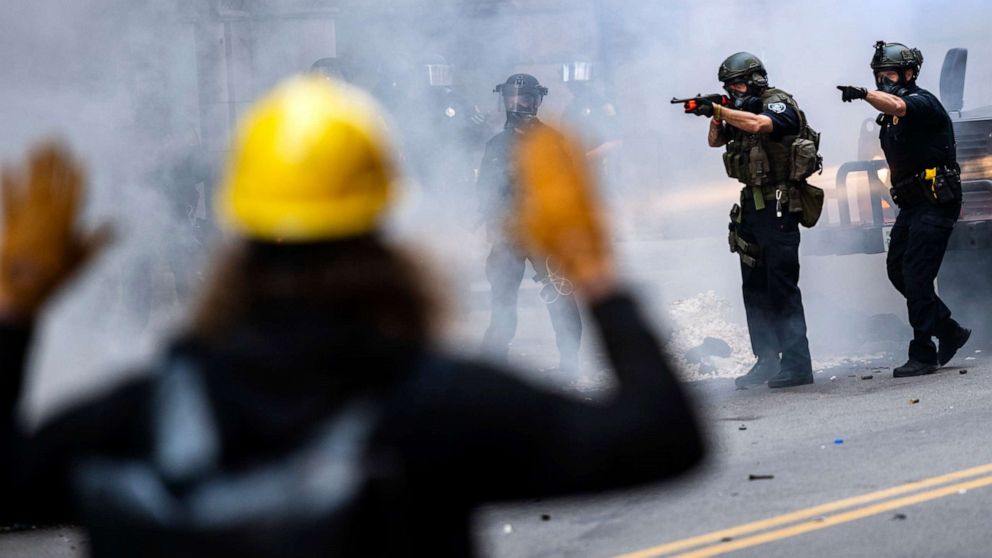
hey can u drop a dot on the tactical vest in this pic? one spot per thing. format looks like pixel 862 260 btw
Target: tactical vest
pixel 763 164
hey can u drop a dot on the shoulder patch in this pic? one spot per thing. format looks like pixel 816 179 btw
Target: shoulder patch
pixel 777 108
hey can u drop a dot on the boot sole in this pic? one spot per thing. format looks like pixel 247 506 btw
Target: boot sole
pixel 923 372
pixel 792 383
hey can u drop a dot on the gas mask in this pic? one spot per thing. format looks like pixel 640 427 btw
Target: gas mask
pixel 886 85
pixel 749 100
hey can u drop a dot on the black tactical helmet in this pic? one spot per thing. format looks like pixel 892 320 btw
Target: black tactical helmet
pixel 743 67
pixel 896 56
pixel 522 94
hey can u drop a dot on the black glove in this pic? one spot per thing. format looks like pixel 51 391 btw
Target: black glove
pixel 703 107
pixel 850 93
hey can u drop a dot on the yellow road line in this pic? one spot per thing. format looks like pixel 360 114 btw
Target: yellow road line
pixel 845 517
pixel 776 521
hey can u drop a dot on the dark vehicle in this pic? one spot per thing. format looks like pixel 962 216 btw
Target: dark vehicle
pixel 965 278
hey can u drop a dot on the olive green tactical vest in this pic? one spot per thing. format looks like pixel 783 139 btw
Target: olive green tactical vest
pixel 756 160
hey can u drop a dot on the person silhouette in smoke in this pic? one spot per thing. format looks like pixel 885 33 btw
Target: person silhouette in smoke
pixel 592 115
pixel 305 411
pixel 497 186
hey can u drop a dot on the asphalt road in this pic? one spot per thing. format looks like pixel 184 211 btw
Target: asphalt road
pixel 887 442
pixel 823 443
pixel 890 444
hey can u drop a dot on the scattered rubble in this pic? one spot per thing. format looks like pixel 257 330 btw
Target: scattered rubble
pixel 706 344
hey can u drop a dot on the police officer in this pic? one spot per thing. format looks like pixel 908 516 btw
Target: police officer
pixel 521 95
pixel 591 114
pixel 758 132
pixel 918 140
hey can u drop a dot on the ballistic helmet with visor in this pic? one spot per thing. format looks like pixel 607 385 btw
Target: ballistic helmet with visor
pixel 311 162
pixel 522 94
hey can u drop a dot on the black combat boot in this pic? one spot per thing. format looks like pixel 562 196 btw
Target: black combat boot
pixel 950 345
pixel 790 379
pixel 914 368
pixel 762 370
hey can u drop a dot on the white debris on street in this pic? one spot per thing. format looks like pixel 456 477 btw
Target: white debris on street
pixel 708 315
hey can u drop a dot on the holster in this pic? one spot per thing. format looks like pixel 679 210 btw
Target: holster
pixel 748 252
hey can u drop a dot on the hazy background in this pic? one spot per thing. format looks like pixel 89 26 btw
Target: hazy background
pixel 147 93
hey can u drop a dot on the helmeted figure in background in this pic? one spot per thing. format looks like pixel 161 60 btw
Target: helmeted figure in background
pixel 497 187
pixel 441 132
pixel 305 411
pixel 917 137
pixel 593 116
pixel 760 131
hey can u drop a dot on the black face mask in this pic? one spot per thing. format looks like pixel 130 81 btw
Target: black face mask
pixel 747 102
pixel 896 88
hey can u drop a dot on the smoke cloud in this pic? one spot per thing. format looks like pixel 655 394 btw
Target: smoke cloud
pixel 148 93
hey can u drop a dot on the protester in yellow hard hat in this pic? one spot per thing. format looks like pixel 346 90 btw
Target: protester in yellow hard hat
pixel 305 412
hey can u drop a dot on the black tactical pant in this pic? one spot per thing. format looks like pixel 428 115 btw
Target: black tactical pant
pixel 505 270
pixel 916 249
pixel 772 300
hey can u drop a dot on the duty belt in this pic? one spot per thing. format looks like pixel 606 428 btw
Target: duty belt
pixel 935 185
pixel 751 191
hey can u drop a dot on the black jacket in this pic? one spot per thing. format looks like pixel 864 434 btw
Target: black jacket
pixel 463 432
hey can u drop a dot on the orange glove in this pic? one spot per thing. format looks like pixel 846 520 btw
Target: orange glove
pixel 557 213
pixel 41 248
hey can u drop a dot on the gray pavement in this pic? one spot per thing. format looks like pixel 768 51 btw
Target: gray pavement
pixel 792 434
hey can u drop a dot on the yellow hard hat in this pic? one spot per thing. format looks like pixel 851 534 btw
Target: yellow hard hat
pixel 311 162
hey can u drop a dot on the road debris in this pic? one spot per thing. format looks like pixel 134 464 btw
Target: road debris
pixel 914 401
pixel 839 441
pixel 507 529
pixel 742 427
pixel 969 358
pixel 726 539
pixel 545 517
pixel 867 377
pixel 833 378
pixel 899 516
pixel 963 371
pixel 753 477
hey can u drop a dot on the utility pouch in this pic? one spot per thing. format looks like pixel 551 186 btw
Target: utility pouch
pixel 795 203
pixel 804 158
pixel 758 166
pixel 730 164
pixel 811 200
